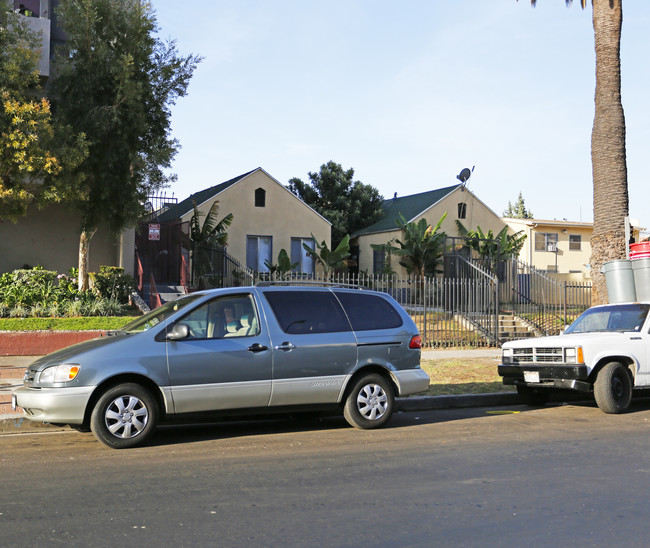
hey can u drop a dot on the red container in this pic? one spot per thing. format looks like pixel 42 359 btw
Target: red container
pixel 640 250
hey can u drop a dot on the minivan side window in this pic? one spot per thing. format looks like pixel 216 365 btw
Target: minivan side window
pixel 304 312
pixel 231 316
pixel 367 312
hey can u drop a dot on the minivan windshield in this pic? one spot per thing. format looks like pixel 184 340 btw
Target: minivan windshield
pixel 160 314
pixel 617 318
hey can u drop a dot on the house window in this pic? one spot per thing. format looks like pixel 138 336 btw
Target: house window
pixel 258 250
pixel 545 241
pixel 260 197
pixel 299 255
pixel 575 242
pixel 378 260
pixel 462 210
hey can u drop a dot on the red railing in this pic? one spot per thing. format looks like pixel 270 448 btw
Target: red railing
pixel 185 273
pixel 139 272
pixel 154 298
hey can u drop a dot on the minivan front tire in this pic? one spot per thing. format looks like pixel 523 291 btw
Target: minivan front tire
pixel 370 403
pixel 125 416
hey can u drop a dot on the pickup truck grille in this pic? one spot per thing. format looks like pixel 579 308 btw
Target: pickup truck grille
pixel 538 355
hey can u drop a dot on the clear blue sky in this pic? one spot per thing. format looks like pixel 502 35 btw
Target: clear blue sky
pixel 407 93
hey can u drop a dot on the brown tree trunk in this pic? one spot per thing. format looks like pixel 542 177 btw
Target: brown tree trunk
pixel 84 251
pixel 611 203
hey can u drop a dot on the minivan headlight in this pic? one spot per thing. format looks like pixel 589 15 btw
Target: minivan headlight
pixel 64 372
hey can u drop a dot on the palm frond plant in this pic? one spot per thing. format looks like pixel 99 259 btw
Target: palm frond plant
pixel 206 237
pixel 329 259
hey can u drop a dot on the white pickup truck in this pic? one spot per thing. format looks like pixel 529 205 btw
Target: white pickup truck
pixel 606 350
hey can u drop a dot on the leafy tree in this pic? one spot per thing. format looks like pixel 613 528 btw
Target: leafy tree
pixel 349 205
pixel 518 211
pixel 421 246
pixel 492 249
pixel 205 237
pixel 611 200
pixel 329 259
pixel 115 81
pixel 284 266
pixel 33 152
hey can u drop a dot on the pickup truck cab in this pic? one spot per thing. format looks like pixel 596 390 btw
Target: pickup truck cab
pixel 237 350
pixel 605 351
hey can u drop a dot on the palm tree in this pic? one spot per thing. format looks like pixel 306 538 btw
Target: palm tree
pixel 493 250
pixel 421 246
pixel 609 167
pixel 327 258
pixel 207 236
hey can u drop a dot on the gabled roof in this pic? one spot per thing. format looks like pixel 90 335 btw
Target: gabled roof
pixel 178 210
pixel 410 207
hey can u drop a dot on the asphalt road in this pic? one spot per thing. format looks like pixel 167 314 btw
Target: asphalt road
pixel 564 475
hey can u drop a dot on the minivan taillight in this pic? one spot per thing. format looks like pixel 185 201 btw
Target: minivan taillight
pixel 416 342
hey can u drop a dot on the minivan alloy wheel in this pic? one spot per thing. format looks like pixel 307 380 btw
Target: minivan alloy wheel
pixel 126 417
pixel 372 402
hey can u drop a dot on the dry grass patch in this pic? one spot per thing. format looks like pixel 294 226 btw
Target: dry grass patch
pixel 463 376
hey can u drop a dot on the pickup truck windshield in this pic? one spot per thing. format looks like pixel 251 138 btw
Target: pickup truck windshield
pixel 626 317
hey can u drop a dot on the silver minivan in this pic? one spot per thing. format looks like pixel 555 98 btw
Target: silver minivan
pixel 260 349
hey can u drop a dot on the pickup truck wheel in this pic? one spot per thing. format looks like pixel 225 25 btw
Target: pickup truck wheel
pixel 370 402
pixel 124 416
pixel 613 388
pixel 533 397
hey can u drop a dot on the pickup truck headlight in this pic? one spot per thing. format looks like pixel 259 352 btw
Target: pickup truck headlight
pixel 64 372
pixel 506 356
pixel 574 355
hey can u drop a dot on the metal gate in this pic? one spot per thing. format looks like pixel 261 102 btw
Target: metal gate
pixel 161 248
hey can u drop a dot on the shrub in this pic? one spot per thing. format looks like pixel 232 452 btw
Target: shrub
pixel 112 283
pixel 39 293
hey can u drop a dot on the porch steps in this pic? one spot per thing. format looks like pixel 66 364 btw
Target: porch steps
pixel 512 328
pixel 166 292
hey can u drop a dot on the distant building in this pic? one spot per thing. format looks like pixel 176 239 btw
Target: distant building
pixel 457 201
pixel 559 247
pixel 40 17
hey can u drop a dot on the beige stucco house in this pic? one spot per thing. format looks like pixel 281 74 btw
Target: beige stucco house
pixel 457 201
pixel 559 247
pixel 49 238
pixel 267 217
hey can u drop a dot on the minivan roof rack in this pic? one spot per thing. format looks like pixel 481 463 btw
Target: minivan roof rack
pixel 308 283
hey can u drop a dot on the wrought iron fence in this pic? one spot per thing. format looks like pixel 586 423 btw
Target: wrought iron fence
pixel 461 309
pixel 448 312
pixel 546 303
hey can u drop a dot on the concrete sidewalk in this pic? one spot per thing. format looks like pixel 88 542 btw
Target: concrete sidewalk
pixel 12 370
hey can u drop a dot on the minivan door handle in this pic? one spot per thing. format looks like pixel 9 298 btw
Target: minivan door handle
pixel 257 347
pixel 286 346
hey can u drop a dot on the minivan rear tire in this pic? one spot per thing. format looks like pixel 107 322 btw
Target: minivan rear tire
pixel 370 403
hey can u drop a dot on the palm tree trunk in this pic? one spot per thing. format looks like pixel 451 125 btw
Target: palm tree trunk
pixel 611 202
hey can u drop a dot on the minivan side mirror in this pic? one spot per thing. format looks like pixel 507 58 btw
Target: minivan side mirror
pixel 178 332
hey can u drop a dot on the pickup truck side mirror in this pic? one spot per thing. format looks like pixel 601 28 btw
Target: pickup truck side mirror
pixel 178 332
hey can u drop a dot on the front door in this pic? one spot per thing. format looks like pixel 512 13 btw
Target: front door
pixel 226 362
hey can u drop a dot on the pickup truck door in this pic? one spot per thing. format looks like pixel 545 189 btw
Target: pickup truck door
pixel 225 362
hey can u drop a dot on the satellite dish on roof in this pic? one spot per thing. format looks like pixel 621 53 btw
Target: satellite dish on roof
pixel 465 174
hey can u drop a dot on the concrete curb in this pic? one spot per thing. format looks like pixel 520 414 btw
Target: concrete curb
pixel 17 424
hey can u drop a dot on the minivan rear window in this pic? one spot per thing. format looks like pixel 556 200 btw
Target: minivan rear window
pixel 303 312
pixel 367 312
